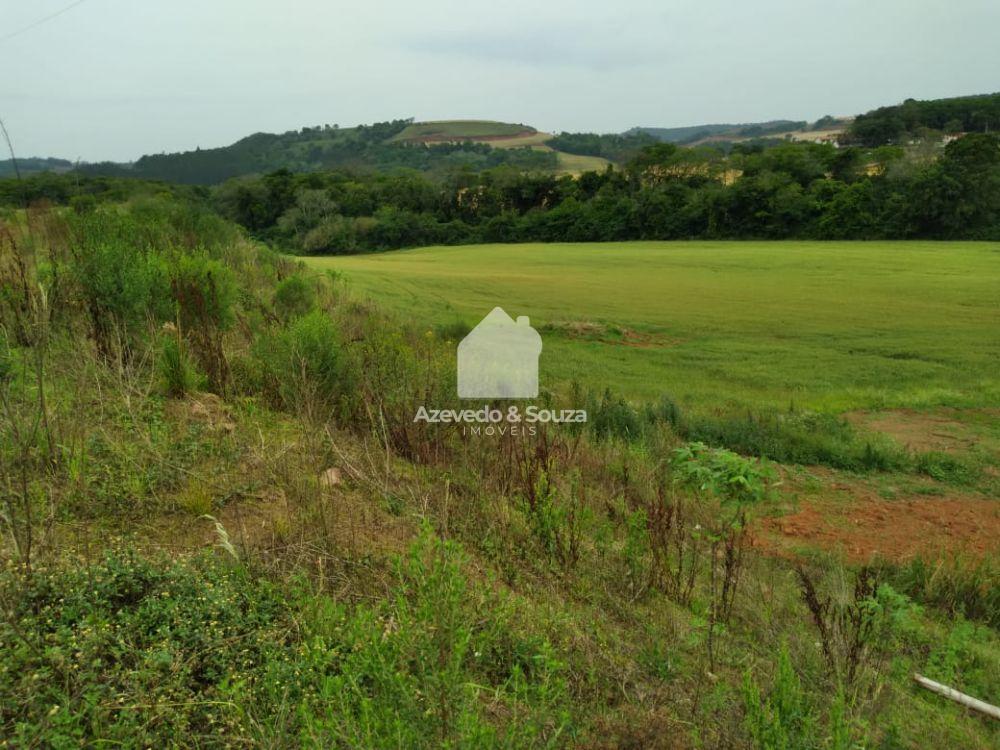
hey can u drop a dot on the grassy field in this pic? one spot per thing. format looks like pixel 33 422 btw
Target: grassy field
pixel 828 326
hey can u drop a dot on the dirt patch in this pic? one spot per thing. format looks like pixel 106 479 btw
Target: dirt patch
pixel 204 408
pixel 862 528
pixel 918 431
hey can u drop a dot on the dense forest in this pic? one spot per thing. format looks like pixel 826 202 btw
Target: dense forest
pixel 791 190
pixel 964 114
pixel 616 148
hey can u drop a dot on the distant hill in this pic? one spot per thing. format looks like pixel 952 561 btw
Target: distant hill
pixel 376 147
pixel 444 146
pixel 961 114
pixel 34 164
pixel 692 133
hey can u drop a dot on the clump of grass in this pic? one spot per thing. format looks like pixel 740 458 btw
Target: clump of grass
pixel 796 437
pixel 960 585
pixel 196 499
pixel 178 372
pixel 947 468
pixel 456 330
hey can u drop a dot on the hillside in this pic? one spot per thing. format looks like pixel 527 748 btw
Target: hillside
pixel 894 124
pixel 502 135
pixel 33 165
pixel 446 146
pixel 692 133
pixel 223 525
pixel 364 147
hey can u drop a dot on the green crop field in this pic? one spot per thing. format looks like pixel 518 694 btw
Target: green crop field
pixel 827 326
pixel 449 129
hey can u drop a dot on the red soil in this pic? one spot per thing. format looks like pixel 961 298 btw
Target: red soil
pixel 864 528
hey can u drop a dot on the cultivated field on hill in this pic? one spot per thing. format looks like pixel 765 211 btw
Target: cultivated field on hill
pixel 449 130
pixel 826 326
pixel 498 135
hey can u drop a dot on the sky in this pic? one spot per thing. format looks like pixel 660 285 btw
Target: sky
pixel 115 79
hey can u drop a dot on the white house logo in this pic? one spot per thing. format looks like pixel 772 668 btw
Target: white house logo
pixel 499 358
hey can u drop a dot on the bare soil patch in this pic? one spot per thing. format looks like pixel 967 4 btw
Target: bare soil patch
pixel 849 517
pixel 918 431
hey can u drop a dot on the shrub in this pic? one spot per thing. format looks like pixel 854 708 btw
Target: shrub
pixel 782 720
pixel 204 290
pixel 454 331
pixel 204 293
pixel 122 283
pixel 6 360
pixel 304 368
pixel 722 473
pixel 858 626
pixel 104 643
pixel 90 652
pixel 294 297
pixel 554 515
pixel 614 417
pixel 414 667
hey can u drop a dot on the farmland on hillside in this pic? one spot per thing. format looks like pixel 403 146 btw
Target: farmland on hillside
pixel 500 135
pixel 448 130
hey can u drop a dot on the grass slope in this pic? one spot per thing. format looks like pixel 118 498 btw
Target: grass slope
pixel 446 130
pixel 832 326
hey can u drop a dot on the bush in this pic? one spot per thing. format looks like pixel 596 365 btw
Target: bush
pixel 782 720
pixel 722 473
pixel 204 293
pixel 946 468
pixel 411 676
pixel 117 638
pixel 122 283
pixel 304 369
pixel 294 297
pixel 454 331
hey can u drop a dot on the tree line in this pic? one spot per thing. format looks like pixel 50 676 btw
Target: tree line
pixel 757 191
pixel 965 114
pixel 789 191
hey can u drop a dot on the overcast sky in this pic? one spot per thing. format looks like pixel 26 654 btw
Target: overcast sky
pixel 114 79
